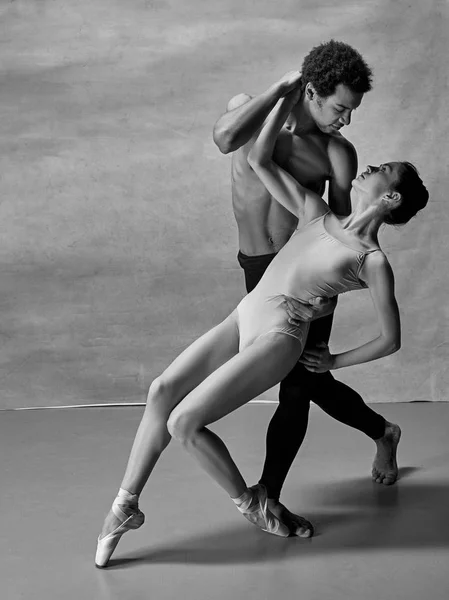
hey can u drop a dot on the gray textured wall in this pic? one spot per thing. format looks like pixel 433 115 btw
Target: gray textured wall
pixel 118 242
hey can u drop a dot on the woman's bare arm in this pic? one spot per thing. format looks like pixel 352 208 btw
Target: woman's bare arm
pixel 284 188
pixel 378 275
pixel 245 114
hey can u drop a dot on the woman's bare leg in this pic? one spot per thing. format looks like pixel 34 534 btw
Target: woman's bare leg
pixel 188 370
pixel 242 378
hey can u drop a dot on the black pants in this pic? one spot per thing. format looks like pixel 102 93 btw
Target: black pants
pixel 288 425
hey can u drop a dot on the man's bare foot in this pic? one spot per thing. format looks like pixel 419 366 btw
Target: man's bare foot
pixel 385 466
pixel 297 525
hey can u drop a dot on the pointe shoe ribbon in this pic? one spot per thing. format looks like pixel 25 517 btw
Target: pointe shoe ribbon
pixel 259 514
pixel 107 545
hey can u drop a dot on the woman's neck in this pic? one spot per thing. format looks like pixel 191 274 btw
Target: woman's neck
pixel 364 224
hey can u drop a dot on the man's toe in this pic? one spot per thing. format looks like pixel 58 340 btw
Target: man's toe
pixel 304 531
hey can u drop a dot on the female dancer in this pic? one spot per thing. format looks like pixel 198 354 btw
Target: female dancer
pixel 255 347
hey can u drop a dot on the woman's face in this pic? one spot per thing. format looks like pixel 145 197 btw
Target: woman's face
pixel 375 182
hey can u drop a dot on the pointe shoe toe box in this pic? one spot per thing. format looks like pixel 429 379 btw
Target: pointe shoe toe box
pixel 107 544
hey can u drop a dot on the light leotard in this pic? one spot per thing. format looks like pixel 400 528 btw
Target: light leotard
pixel 312 263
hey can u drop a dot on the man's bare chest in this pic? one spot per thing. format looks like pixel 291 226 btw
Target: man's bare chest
pixel 305 158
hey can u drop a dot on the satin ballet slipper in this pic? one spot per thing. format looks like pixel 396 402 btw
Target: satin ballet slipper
pixel 107 544
pixel 259 514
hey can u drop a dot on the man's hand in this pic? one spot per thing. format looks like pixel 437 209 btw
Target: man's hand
pixel 318 359
pixel 245 115
pixel 301 312
pixel 288 83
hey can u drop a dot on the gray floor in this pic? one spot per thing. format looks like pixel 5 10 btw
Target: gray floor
pixel 61 469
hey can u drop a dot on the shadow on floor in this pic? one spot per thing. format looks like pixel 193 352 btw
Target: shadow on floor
pixel 351 514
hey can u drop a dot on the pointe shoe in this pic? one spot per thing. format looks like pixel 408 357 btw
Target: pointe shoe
pixel 260 514
pixel 107 545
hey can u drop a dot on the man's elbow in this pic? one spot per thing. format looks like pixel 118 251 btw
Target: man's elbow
pixel 342 207
pixel 222 140
pixel 393 345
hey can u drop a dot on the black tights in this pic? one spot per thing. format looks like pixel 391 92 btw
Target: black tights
pixel 288 425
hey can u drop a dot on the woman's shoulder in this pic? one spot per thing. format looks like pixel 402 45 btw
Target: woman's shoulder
pixel 376 267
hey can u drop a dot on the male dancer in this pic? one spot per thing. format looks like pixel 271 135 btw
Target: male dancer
pixel 334 79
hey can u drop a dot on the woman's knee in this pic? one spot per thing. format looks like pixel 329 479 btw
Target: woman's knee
pixel 181 426
pixel 159 394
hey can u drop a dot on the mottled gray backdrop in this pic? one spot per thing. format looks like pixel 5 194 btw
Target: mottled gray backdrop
pixel 118 244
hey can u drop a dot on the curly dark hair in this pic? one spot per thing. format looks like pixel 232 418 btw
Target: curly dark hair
pixel 414 195
pixel 332 63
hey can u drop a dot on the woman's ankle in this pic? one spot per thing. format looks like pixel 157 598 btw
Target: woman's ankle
pixel 245 500
pixel 125 497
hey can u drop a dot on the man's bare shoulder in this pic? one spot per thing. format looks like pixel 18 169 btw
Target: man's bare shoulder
pixel 341 146
pixel 238 100
pixel 342 157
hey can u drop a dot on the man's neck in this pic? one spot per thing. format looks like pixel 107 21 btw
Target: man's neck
pixel 302 117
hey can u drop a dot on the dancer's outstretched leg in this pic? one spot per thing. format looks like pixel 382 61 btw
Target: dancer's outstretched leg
pixel 245 376
pixel 194 364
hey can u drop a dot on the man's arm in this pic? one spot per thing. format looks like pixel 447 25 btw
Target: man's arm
pixel 343 159
pixel 245 114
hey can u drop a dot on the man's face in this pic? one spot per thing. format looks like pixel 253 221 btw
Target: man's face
pixel 334 112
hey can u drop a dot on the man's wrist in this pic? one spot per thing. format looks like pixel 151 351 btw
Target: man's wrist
pixel 325 311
